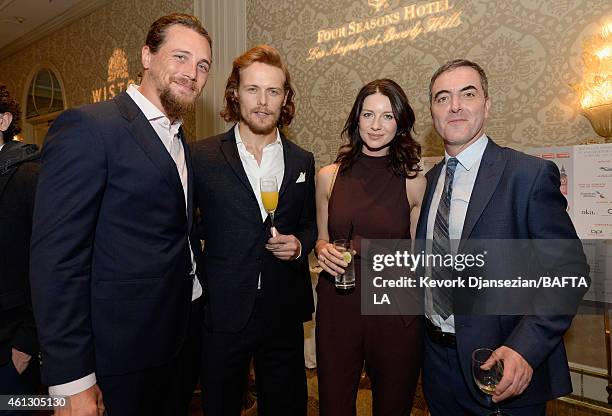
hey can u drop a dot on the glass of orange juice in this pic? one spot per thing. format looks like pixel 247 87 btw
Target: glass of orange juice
pixel 268 187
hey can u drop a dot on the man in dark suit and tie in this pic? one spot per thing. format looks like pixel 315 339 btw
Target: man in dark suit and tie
pixel 258 285
pixel 483 191
pixel 113 279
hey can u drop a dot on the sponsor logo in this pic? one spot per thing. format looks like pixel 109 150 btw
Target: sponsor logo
pixel 118 78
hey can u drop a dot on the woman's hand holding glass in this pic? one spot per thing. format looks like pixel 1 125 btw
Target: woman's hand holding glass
pixel 330 259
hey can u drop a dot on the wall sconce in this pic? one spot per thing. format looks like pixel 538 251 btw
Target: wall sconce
pixel 596 87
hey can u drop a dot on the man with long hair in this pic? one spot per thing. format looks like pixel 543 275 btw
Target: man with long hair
pixel 113 272
pixel 258 283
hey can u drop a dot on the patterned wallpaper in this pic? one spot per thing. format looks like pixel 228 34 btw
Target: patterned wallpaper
pixel 80 52
pixel 530 49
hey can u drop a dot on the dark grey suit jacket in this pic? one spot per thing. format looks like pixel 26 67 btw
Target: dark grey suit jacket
pixel 234 236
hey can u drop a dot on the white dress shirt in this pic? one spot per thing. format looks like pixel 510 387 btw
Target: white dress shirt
pixel 168 134
pixel 463 183
pixel 272 164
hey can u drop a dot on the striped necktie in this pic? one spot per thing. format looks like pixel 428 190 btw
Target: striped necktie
pixel 442 297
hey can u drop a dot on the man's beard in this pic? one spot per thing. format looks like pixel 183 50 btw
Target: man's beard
pixel 260 129
pixel 174 105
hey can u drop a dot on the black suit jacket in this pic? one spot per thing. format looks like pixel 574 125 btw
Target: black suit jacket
pixel 110 258
pixel 17 190
pixel 234 236
pixel 517 196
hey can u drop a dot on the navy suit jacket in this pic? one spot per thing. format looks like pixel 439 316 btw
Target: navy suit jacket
pixel 516 196
pixel 235 236
pixel 110 259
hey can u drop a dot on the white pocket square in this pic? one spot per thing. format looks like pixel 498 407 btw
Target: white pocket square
pixel 301 178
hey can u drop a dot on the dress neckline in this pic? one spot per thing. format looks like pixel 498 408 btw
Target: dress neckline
pixel 374 162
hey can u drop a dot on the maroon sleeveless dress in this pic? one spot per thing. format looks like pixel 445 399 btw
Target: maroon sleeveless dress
pixel 373 199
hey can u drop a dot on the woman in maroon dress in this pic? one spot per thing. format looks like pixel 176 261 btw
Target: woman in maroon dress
pixel 374 191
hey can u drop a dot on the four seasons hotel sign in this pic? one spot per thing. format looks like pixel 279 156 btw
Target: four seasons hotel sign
pixel 404 23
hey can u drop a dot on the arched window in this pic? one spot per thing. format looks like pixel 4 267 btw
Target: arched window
pixel 45 100
pixel 44 94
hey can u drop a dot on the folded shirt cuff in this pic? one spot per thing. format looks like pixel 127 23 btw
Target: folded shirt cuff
pixel 73 387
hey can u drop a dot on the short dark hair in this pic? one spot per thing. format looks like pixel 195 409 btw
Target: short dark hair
pixel 458 63
pixel 9 105
pixel 265 54
pixel 404 151
pixel 157 32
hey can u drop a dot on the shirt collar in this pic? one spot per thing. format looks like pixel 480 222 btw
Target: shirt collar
pixel 239 138
pixel 151 112
pixel 472 154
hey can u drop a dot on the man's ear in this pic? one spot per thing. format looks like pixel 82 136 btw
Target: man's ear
pixel 145 57
pixel 5 121
pixel 487 107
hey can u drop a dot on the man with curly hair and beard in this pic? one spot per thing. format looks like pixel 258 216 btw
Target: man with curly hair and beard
pixel 256 271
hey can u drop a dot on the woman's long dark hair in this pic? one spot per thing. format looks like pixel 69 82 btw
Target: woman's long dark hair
pixel 404 151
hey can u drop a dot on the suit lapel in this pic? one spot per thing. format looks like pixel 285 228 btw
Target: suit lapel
pixel 289 175
pixel 230 152
pixel 489 174
pixel 189 179
pixel 145 136
pixel 432 179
